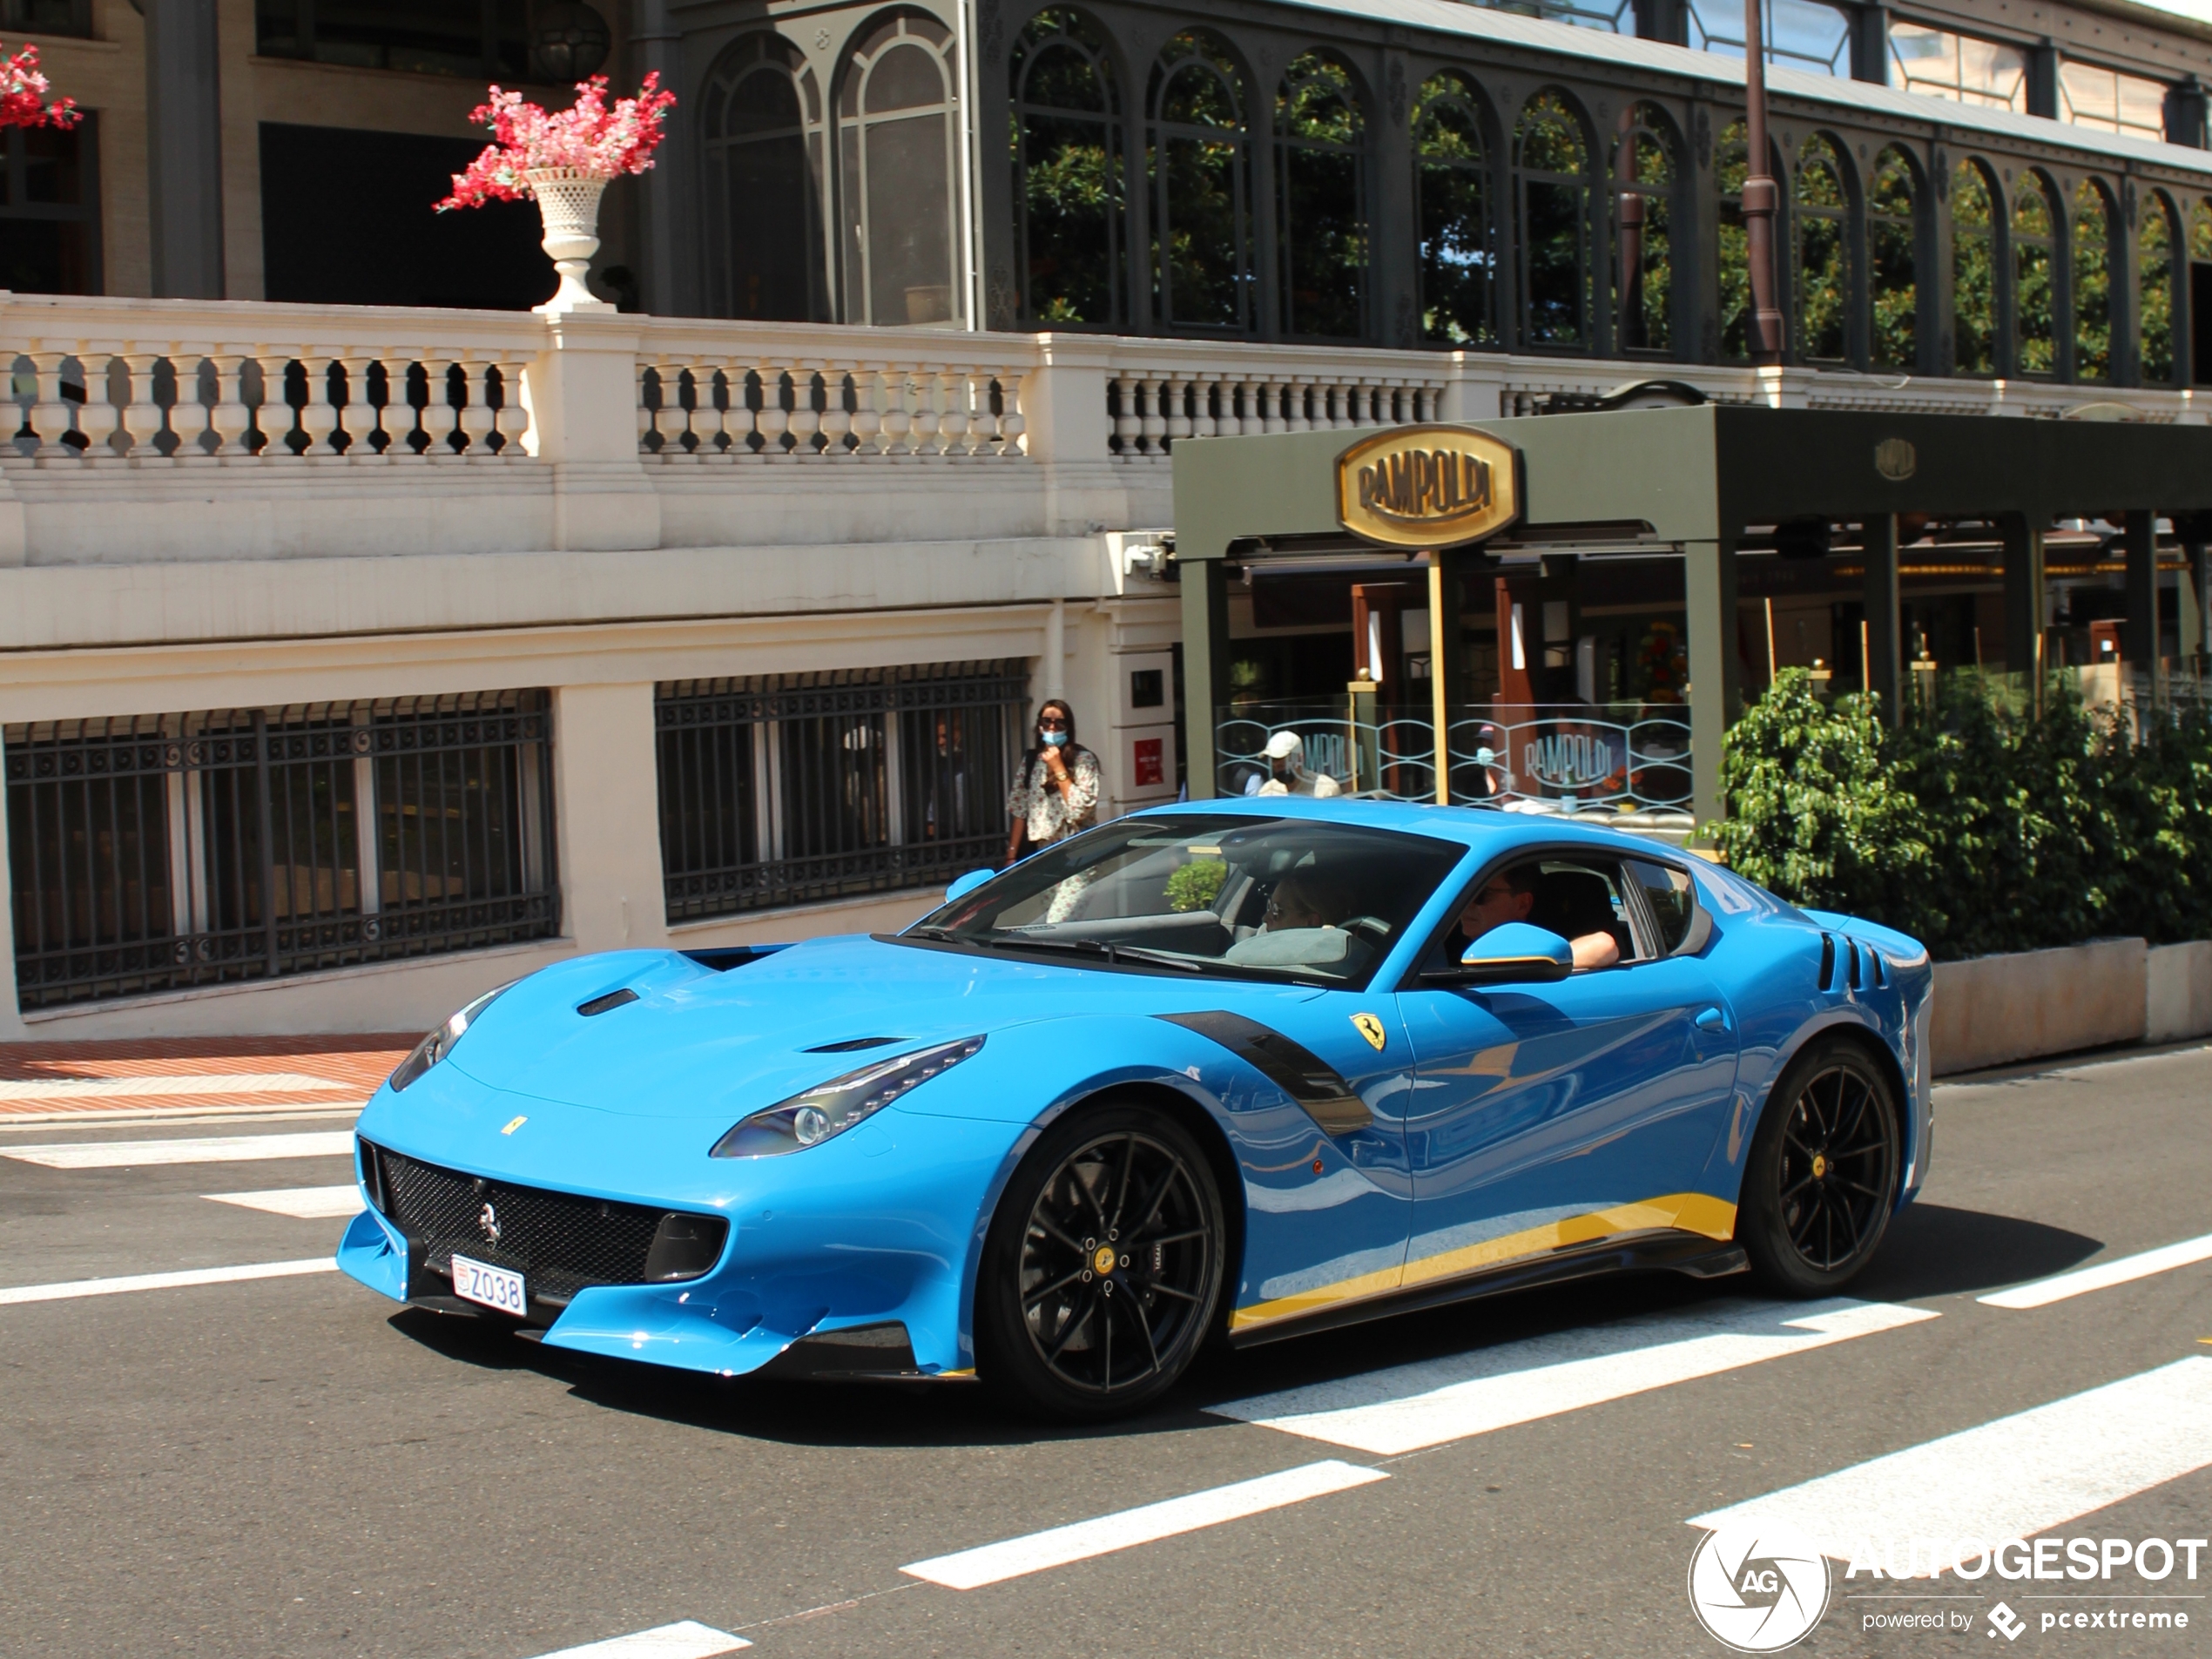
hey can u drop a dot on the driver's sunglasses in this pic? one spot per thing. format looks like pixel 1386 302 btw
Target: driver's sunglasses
pixel 1493 892
pixel 1052 723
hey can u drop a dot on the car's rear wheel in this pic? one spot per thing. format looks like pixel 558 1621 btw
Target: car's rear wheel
pixel 1101 1273
pixel 1821 1180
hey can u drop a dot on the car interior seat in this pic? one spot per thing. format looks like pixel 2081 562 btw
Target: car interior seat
pixel 1574 902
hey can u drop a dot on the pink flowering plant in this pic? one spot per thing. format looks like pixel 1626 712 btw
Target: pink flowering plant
pixel 594 138
pixel 22 94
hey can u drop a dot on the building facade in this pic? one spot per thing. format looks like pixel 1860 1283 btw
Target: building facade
pixel 367 638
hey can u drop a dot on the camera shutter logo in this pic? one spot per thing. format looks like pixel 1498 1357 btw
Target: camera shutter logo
pixel 1758 1588
pixel 2006 1624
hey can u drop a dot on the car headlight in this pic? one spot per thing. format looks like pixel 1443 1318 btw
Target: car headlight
pixel 831 1108
pixel 439 1043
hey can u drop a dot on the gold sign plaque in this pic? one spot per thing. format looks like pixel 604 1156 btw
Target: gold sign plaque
pixel 1427 486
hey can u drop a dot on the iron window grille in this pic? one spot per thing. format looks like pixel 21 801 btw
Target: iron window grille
pixel 789 789
pixel 155 852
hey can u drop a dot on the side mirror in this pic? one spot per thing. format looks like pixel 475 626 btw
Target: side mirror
pixel 966 884
pixel 1515 954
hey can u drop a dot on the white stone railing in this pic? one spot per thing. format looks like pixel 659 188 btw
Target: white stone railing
pixel 98 381
pixel 1161 390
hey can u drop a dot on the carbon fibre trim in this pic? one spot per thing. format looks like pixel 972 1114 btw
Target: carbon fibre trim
pixel 1300 1073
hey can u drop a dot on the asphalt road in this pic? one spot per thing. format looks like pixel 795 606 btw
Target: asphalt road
pixel 289 1466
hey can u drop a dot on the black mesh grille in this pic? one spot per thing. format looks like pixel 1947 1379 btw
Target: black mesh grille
pixel 560 1243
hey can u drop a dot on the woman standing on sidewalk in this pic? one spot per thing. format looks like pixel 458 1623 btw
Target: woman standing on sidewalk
pixel 1056 795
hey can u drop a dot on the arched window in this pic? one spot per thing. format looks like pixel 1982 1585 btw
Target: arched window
pixel 1732 165
pixel 897 116
pixel 1643 191
pixel 762 137
pixel 1973 272
pixel 1201 220
pixel 1551 161
pixel 2093 227
pixel 2035 328
pixel 1320 172
pixel 1822 224
pixel 1068 201
pixel 1451 179
pixel 1892 250
pixel 2154 241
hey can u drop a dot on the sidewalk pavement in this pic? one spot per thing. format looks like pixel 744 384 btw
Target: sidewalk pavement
pixel 46 1081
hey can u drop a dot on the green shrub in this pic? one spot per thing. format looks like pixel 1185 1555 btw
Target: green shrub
pixel 1977 826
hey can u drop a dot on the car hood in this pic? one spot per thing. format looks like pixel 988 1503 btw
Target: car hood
pixel 697 1043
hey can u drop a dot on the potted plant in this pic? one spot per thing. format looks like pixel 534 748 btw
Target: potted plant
pixel 562 161
pixel 23 93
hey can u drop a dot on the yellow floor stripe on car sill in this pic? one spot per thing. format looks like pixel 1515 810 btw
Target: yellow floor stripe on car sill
pixel 1694 1212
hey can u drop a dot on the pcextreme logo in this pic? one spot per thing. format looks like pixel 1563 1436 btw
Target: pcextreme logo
pixel 1758 1588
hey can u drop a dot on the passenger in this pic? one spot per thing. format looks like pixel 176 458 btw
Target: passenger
pixel 1286 772
pixel 1510 895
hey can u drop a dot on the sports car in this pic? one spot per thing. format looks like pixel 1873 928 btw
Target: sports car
pixel 1217 1072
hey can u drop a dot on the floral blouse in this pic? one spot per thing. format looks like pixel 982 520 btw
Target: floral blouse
pixel 1037 801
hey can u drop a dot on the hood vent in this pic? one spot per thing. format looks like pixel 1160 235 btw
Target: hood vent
pixel 603 1004
pixel 852 1045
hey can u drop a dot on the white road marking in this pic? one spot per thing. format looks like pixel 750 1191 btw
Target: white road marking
pixel 686 1640
pixel 69 1288
pixel 2043 1292
pixel 193 1083
pixel 2012 1477
pixel 205 1149
pixel 1409 1406
pixel 972 1569
pixel 306 1203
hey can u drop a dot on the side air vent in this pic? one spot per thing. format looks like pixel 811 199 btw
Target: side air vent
pixel 1827 962
pixel 612 1001
pixel 851 1045
pixel 1852 945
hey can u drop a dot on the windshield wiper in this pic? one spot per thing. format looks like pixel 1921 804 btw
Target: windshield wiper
pixel 1111 952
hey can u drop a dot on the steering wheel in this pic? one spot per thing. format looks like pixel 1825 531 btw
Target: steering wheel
pixel 1373 927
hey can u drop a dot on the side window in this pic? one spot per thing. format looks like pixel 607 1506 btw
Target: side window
pixel 1673 901
pixel 1573 898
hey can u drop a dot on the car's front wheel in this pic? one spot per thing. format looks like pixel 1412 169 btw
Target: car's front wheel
pixel 1101 1272
pixel 1822 1176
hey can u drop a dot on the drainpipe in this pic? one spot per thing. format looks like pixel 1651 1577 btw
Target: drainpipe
pixel 1759 193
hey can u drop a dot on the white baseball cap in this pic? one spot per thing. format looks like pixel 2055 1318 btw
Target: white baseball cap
pixel 1283 745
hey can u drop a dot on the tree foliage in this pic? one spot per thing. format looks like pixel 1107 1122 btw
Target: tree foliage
pixel 1979 826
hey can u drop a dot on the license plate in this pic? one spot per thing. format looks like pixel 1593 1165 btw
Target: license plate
pixel 495 1287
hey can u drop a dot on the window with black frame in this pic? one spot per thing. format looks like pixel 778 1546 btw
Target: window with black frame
pixel 897 135
pixel 46 17
pixel 762 143
pixel 1070 214
pixel 473 37
pixel 1552 185
pixel 1821 226
pixel 1892 250
pixel 1732 275
pixel 1458 253
pixel 161 851
pixel 2094 221
pixel 49 209
pixel 1973 271
pixel 1321 176
pixel 1197 162
pixel 1643 191
pixel 784 789
pixel 2155 240
pixel 2035 237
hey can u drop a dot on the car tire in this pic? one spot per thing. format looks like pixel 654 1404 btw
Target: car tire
pixel 1101 1273
pixel 1822 1178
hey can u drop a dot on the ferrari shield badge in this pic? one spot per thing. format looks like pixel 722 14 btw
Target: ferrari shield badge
pixel 1371 1029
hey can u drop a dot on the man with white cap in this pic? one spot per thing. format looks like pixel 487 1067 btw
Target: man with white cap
pixel 1286 772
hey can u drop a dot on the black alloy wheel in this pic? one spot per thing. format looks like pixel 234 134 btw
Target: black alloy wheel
pixel 1822 1178
pixel 1102 1278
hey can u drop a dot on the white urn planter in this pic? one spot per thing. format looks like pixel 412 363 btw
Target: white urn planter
pixel 568 203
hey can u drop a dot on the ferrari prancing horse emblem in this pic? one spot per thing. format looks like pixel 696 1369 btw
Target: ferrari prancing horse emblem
pixel 1371 1029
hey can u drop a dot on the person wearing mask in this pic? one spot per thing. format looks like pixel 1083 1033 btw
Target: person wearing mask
pixel 1286 772
pixel 1055 793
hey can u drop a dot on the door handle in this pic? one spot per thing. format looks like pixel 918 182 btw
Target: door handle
pixel 1712 1019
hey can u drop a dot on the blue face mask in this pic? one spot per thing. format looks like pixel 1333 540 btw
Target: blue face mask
pixel 1054 739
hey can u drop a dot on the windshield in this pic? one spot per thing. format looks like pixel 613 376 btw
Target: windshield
pixel 1258 898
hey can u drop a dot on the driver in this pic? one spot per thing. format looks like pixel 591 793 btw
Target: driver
pixel 1510 895
pixel 1305 901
